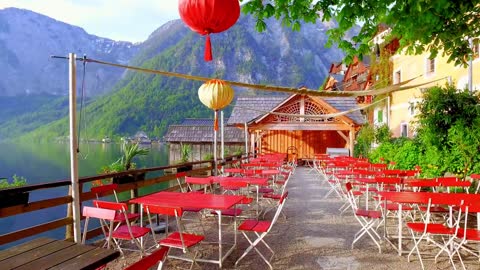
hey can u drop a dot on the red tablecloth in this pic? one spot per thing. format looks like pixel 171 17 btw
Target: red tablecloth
pixel 190 200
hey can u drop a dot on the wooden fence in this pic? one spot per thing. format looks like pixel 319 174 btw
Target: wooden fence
pixel 201 167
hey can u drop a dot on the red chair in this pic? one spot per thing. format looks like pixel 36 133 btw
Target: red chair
pixel 178 239
pixel 104 190
pixel 367 219
pixel 157 256
pixel 431 230
pixel 126 231
pixel 179 176
pixel 467 236
pixel 260 229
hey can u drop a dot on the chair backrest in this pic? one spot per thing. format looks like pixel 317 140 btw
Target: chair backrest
pixel 110 205
pixel 281 203
pixel 228 184
pixel 103 215
pixel 179 176
pixel 350 197
pixel 167 211
pixel 103 190
pixel 157 256
pixel 100 213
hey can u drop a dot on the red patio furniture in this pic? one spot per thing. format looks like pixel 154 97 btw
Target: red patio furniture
pixel 101 191
pixel 106 213
pixel 157 256
pixel 260 229
pixel 430 230
pixel 178 239
pixel 467 235
pixel 124 232
pixel 368 219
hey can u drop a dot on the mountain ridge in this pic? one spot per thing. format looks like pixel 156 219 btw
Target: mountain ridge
pixel 28 39
pixel 141 101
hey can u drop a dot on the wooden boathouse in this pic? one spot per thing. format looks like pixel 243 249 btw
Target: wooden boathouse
pixel 198 133
pixel 273 124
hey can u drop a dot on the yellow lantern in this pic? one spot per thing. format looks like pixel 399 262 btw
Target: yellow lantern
pixel 216 95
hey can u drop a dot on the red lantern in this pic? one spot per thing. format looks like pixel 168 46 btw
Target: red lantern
pixel 209 16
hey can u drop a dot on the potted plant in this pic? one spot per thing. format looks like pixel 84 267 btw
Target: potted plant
pixel 125 163
pixel 186 152
pixel 9 196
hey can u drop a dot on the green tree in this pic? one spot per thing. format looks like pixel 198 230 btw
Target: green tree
pixel 365 138
pixel 448 129
pixel 433 26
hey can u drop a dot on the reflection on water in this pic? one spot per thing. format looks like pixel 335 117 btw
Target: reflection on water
pixel 49 162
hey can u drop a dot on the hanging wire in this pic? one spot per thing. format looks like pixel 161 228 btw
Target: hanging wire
pixel 82 107
pixel 272 88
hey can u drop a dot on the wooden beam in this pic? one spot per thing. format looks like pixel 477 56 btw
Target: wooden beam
pixel 13 236
pixel 303 126
pixel 34 206
pixel 343 136
pixel 352 140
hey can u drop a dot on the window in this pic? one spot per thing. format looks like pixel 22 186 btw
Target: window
pixel 404 130
pixel 380 116
pixel 411 108
pixel 397 77
pixel 476 48
pixel 430 66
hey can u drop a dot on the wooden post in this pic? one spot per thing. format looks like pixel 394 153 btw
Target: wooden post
pixel 222 143
pixel 352 140
pixel 69 227
pixel 246 139
pixel 77 235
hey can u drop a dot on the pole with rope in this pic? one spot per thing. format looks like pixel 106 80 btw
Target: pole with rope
pixel 75 205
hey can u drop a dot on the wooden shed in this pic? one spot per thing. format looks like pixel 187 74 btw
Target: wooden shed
pixel 286 124
pixel 199 134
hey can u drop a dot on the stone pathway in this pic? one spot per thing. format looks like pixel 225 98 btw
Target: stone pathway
pixel 315 236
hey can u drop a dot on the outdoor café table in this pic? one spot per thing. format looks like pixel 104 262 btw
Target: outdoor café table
pixel 410 197
pixel 253 181
pixel 234 170
pixel 376 181
pixel 46 253
pixel 210 201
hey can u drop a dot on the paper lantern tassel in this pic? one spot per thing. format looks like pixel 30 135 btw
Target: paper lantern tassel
pixel 215 122
pixel 208 49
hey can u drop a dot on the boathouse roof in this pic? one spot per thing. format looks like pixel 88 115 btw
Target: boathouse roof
pixel 201 131
pixel 242 113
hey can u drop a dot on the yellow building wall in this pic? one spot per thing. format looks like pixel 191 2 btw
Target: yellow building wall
pixel 413 66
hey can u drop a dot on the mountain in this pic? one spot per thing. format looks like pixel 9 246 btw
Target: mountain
pixel 28 39
pixel 149 102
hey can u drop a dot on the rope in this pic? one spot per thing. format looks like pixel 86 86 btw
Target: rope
pixel 289 90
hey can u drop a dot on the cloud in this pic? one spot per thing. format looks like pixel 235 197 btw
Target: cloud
pixel 131 20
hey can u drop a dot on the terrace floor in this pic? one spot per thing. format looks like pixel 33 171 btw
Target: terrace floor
pixel 314 236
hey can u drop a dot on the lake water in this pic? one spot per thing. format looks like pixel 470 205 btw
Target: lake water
pixel 49 162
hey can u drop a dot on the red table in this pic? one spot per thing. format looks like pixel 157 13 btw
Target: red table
pixel 377 180
pixel 248 180
pixel 411 197
pixel 234 170
pixel 198 200
pixel 257 182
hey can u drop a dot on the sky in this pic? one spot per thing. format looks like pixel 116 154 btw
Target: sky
pixel 127 20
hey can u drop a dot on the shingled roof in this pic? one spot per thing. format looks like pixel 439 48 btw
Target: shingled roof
pixel 241 115
pixel 202 134
pixel 343 104
pixel 197 122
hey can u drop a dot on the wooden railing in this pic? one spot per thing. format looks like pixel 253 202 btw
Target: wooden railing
pixel 67 222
